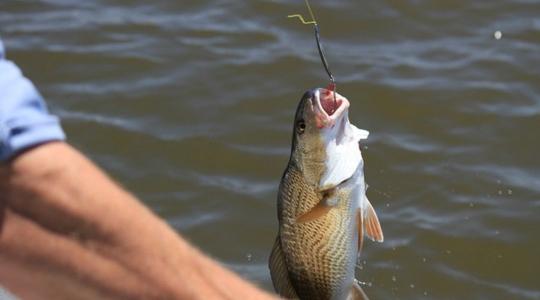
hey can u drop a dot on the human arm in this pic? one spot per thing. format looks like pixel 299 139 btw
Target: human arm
pixel 68 228
pixel 67 231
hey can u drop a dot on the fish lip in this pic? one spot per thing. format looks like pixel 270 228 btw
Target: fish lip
pixel 325 120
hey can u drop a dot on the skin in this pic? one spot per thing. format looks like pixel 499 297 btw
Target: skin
pixel 67 231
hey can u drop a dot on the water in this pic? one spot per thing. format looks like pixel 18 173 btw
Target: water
pixel 190 104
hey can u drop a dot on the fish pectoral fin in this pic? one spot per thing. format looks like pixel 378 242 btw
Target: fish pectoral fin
pixel 372 226
pixel 319 210
pixel 360 224
pixel 357 293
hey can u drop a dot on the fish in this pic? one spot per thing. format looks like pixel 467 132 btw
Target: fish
pixel 322 208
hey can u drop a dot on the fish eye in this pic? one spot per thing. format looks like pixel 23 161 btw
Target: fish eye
pixel 300 126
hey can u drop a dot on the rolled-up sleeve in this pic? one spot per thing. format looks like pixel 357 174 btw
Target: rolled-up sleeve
pixel 24 118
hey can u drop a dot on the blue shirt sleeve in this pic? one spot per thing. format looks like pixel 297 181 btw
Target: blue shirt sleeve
pixel 24 118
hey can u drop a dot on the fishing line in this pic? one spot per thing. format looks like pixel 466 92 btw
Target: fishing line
pixel 332 86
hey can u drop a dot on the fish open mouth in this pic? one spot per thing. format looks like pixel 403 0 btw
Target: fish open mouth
pixel 328 109
pixel 328 103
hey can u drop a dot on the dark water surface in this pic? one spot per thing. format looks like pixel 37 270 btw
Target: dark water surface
pixel 189 104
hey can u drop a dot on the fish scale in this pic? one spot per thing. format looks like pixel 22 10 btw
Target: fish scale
pixel 322 207
pixel 318 270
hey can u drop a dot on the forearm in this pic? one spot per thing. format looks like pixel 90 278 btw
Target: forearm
pixel 63 217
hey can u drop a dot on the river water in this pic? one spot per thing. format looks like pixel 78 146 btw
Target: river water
pixel 189 104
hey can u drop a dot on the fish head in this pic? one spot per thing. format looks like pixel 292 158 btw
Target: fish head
pixel 325 144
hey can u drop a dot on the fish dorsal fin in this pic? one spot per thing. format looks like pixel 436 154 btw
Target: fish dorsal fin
pixel 279 273
pixel 319 210
pixel 357 293
pixel 371 224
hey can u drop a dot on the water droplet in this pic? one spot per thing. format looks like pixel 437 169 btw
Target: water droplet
pixel 425 293
pixel 424 259
pixel 500 192
pixel 497 34
pixel 394 279
pixel 387 204
pixel 471 204
pixel 509 192
pixel 448 252
pixel 248 256
pixel 365 283
pixel 411 286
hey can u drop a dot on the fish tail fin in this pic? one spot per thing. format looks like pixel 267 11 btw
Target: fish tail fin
pixel 357 293
pixel 279 272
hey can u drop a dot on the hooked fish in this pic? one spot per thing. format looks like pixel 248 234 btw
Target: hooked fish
pixel 323 211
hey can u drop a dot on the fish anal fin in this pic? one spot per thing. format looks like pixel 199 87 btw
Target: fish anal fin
pixel 319 210
pixel 357 293
pixel 360 224
pixel 279 272
pixel 372 226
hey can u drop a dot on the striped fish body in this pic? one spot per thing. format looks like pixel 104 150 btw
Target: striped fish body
pixel 321 208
